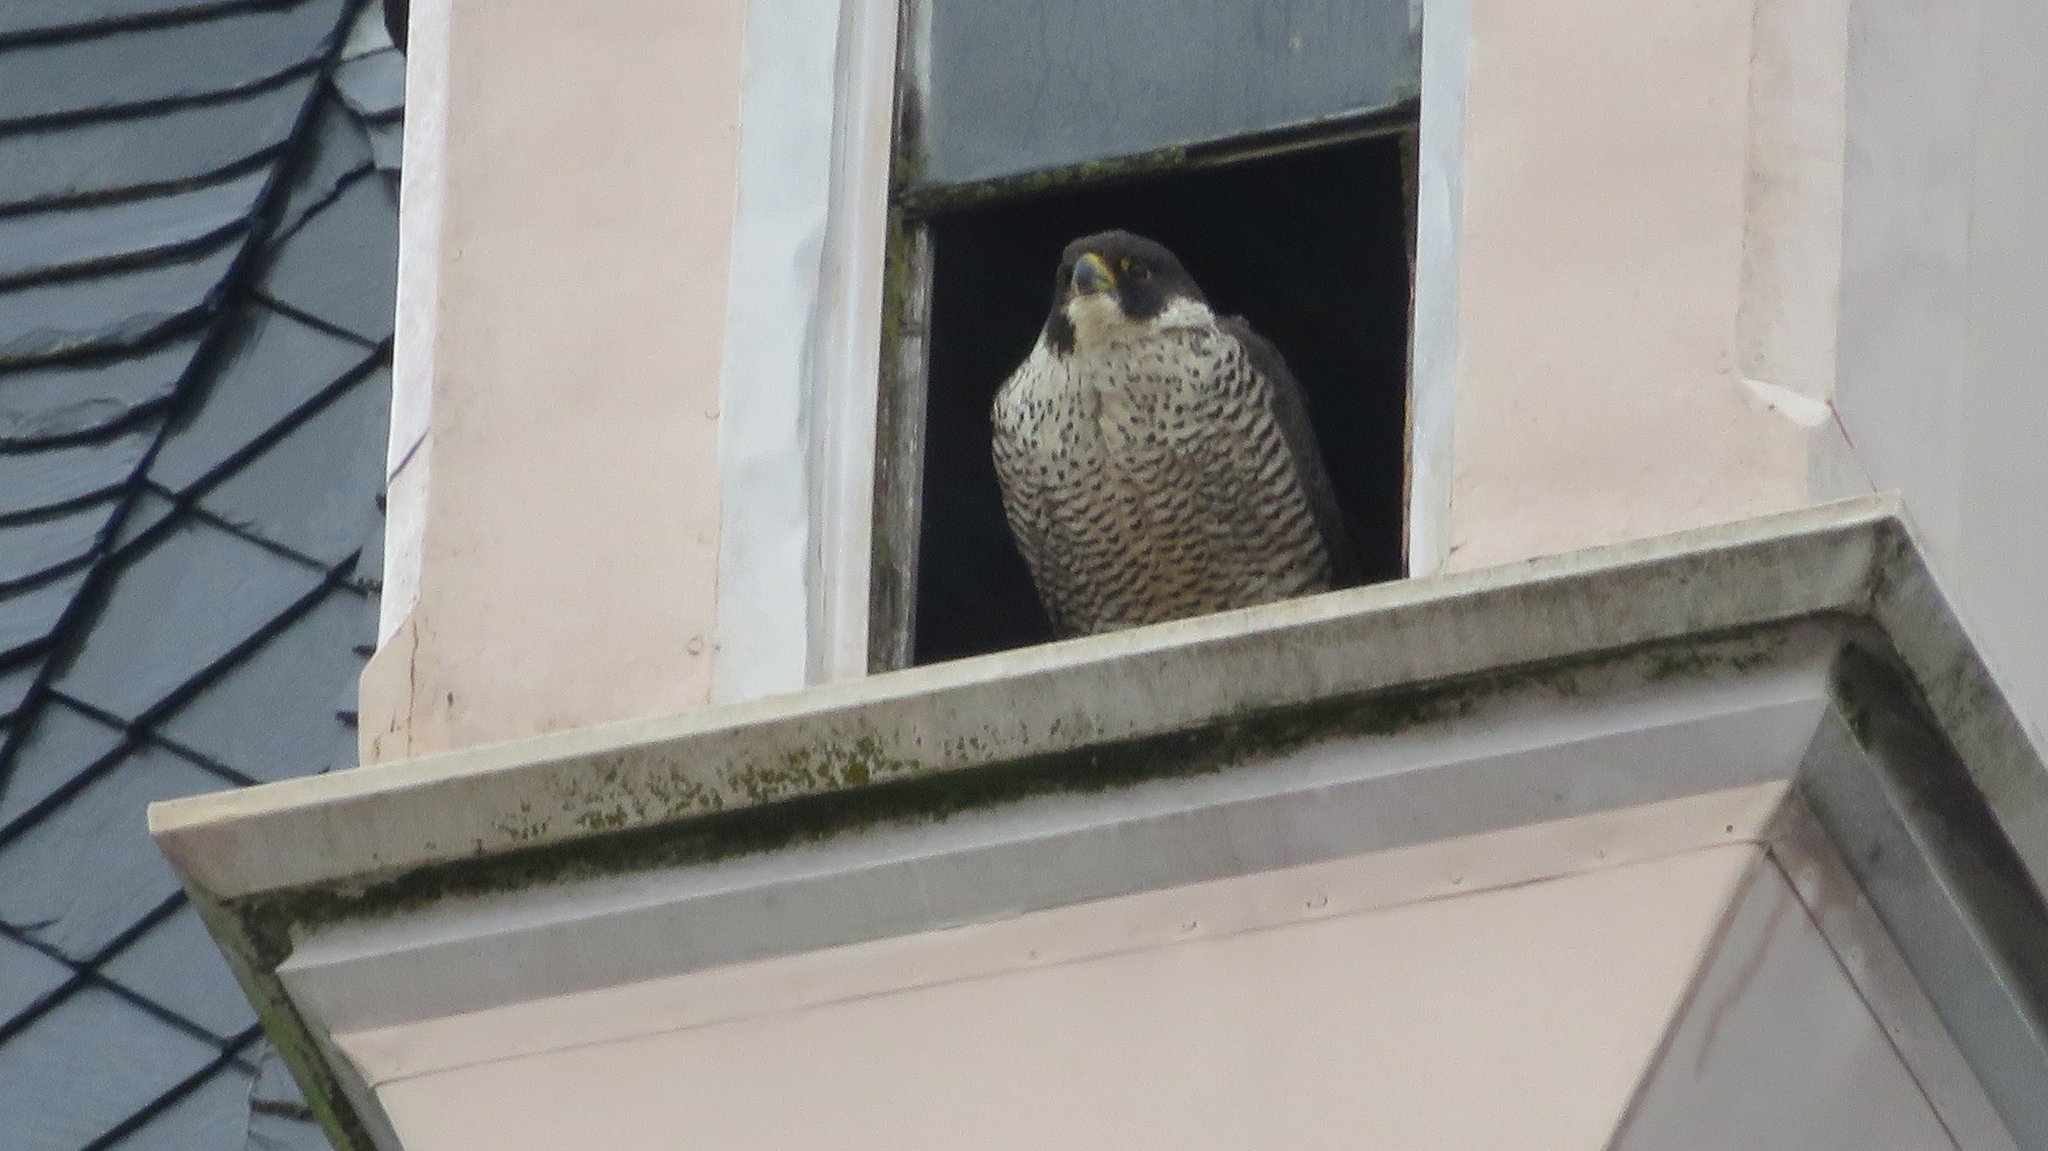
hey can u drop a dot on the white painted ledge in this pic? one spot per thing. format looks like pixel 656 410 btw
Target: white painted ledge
pixel 386 917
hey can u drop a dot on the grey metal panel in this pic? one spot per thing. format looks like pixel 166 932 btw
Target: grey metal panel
pixel 1018 87
pixel 1896 848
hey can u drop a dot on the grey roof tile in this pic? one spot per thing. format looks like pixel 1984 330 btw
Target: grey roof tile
pixel 27 977
pixel 118 310
pixel 387 144
pixel 31 481
pixel 182 144
pixel 88 872
pixel 149 510
pixel 341 266
pixel 176 965
pixel 341 149
pixel 272 1132
pixel 295 681
pixel 59 239
pixel 62 745
pixel 235 50
pixel 62 400
pixel 276 366
pixel 370 564
pixel 28 616
pixel 310 491
pixel 41 17
pixel 28 550
pixel 367 34
pixel 373 84
pixel 15 683
pixel 151 105
pixel 211 1118
pixel 183 603
pixel 274 1083
pixel 86 1066
pixel 279 1119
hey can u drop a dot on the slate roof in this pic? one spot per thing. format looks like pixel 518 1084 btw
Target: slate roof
pixel 198 224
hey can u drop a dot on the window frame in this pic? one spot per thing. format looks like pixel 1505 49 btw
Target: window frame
pixel 900 398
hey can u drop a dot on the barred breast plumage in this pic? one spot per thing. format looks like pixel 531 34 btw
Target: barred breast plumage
pixel 1155 461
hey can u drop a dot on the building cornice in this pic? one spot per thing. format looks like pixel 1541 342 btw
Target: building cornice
pixel 1840 589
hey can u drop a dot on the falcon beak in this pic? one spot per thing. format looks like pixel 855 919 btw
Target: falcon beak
pixel 1092 275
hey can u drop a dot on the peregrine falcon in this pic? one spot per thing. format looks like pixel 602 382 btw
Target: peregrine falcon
pixel 1156 460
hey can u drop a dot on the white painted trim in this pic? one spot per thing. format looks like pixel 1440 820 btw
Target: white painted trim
pixel 846 343
pixel 1513 765
pixel 1140 921
pixel 802 344
pixel 420 198
pixel 773 290
pixel 1061 697
pixel 1440 180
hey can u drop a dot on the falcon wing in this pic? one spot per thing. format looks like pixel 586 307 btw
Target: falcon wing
pixel 1290 410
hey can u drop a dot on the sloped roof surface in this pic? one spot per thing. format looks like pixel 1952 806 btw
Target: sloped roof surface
pixel 198 224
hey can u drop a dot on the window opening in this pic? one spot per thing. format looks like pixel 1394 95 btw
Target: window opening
pixel 1304 228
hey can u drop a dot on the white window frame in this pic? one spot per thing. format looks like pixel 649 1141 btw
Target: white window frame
pixel 801 387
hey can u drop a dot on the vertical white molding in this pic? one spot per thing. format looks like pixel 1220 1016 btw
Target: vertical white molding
pixel 420 197
pixel 845 360
pixel 787 114
pixel 1439 212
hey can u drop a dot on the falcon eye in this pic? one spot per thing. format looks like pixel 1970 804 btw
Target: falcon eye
pixel 1137 271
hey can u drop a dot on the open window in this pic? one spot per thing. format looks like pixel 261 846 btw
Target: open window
pixel 1269 145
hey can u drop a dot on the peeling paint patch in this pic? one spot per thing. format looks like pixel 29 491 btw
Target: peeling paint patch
pixel 1805 411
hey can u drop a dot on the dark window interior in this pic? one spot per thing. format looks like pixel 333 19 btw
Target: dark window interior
pixel 1310 246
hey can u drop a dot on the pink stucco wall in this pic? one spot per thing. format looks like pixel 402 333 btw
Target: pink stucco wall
pixel 560 510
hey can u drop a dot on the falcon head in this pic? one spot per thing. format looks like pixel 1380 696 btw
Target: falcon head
pixel 1115 286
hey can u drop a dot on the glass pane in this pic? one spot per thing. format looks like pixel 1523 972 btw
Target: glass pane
pixel 1017 86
